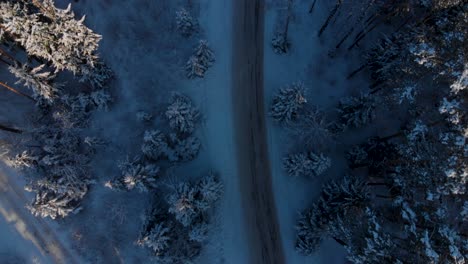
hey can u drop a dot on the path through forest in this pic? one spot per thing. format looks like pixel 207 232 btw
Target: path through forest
pixel 251 137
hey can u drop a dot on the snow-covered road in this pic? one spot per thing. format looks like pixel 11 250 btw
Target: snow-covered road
pixel 251 136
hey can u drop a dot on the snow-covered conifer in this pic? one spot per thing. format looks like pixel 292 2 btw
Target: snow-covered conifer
pixel 56 198
pixel 155 145
pixel 186 25
pixel 182 114
pixel 288 102
pixel 306 164
pixel 210 189
pixel 337 199
pixel 203 58
pixel 135 174
pixel 39 81
pixel 204 53
pixel 98 75
pixel 189 201
pixel 157 239
pixel 194 68
pixel 183 204
pixel 63 40
pixel 183 150
pixel 357 111
pixel 100 99
pixel 24 159
pixel 198 232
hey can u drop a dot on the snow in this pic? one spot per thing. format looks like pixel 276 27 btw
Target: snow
pixel 14 248
pixel 141 44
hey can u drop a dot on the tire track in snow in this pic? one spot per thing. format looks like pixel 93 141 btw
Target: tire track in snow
pixel 12 202
pixel 251 137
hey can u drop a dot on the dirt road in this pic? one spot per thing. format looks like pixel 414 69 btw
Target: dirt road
pixel 251 138
pixel 12 202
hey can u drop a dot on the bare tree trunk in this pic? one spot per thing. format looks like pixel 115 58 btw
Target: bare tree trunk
pixel 16 91
pixel 362 67
pixel 330 16
pixel 311 9
pixel 9 129
pixel 359 19
pixel 8 56
pixel 356 42
pixel 288 18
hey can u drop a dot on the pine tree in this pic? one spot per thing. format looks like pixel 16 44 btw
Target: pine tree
pixel 356 112
pixel 24 160
pixel 306 164
pixel 210 190
pixel 280 43
pixel 98 75
pixel 157 239
pixel 194 68
pixel 182 114
pixel 337 200
pixel 183 150
pixel 183 204
pixel 158 146
pixel 39 81
pixel 56 198
pixel 64 41
pixel 189 201
pixel 202 59
pixel 288 103
pixel 186 25
pixel 199 232
pixel 135 175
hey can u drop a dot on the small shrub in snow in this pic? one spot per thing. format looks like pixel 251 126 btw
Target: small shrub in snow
pixel 199 63
pixel 288 102
pixel 186 25
pixel 356 156
pixel 280 43
pixel 144 116
pixel 306 164
pixel 357 111
pixel 182 115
